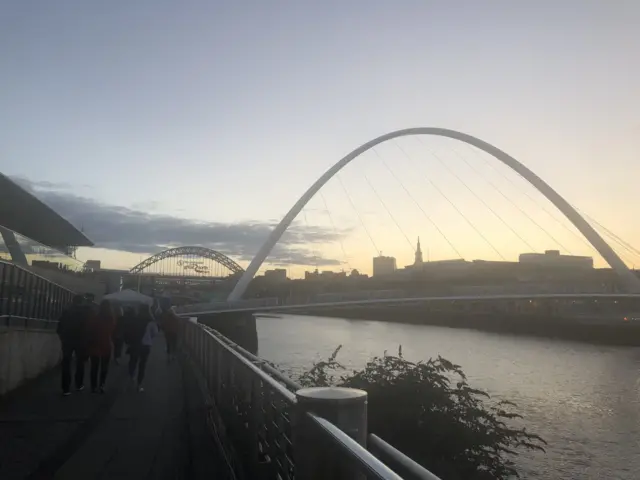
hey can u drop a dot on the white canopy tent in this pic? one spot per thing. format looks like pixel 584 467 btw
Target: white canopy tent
pixel 129 297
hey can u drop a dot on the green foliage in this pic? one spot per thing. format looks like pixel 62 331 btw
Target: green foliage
pixel 429 412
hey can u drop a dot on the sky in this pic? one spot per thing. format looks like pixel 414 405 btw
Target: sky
pixel 154 123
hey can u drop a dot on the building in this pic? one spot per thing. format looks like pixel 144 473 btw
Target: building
pixel 23 213
pixel 324 275
pixel 38 239
pixel 92 265
pixel 552 258
pixel 276 275
pixel 418 256
pixel 455 267
pixel 355 274
pixel 384 266
pixel 418 262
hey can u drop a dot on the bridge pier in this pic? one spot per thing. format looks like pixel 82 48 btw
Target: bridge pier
pixel 239 327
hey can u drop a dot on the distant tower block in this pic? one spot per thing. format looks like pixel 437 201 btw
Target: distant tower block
pixel 418 260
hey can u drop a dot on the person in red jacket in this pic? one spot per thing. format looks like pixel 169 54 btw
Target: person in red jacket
pixel 100 331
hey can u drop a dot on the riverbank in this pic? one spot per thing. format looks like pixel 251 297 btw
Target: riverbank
pixel 580 397
pixel 604 331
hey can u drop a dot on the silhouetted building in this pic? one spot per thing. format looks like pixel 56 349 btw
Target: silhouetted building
pixel 418 257
pixel 324 275
pixel 92 265
pixel 384 266
pixel 276 275
pixel 552 258
pixel 356 274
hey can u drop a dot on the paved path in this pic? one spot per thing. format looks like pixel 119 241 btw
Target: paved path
pixel 158 434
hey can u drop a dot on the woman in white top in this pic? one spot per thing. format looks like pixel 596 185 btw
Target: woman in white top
pixel 144 330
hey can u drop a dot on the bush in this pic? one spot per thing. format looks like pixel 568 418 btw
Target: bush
pixel 429 412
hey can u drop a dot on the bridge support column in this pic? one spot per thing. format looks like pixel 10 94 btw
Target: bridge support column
pixel 15 250
pixel 239 327
pixel 346 408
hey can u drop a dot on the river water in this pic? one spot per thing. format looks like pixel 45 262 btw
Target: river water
pixel 583 399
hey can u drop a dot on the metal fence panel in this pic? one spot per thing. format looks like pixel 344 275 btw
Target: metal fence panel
pixel 257 405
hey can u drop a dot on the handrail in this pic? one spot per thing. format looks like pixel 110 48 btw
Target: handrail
pixel 405 464
pixel 31 272
pixel 215 308
pixel 24 293
pixel 263 364
pixel 28 318
pixel 286 393
pixel 380 460
pixel 378 447
pixel 365 460
pixel 18 322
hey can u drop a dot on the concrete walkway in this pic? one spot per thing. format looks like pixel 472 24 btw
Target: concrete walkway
pixel 158 434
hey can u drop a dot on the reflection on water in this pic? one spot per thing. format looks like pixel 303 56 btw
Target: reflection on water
pixel 584 400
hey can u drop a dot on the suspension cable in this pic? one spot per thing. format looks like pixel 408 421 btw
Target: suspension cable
pixel 626 259
pixel 634 256
pixel 533 199
pixel 418 205
pixel 430 182
pixel 358 214
pixel 388 212
pixel 512 202
pixel 479 198
pixel 313 250
pixel 630 249
pixel 335 230
pixel 619 240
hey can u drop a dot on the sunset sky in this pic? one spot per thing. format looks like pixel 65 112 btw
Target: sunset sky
pixel 158 123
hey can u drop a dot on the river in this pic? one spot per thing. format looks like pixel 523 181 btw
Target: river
pixel 583 399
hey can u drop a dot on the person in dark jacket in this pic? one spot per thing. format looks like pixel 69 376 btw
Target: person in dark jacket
pixel 171 328
pixel 118 333
pixel 72 330
pixel 101 329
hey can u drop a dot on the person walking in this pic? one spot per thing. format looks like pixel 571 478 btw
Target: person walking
pixel 171 328
pixel 72 331
pixel 101 329
pixel 141 334
pixel 118 333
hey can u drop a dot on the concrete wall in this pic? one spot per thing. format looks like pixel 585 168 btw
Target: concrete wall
pixel 27 349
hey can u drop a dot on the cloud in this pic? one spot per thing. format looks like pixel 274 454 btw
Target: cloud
pixel 132 230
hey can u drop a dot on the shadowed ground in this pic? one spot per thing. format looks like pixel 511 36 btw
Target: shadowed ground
pixel 158 434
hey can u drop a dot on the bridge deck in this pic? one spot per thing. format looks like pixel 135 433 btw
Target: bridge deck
pixel 160 433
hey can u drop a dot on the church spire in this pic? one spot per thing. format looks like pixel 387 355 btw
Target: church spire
pixel 418 259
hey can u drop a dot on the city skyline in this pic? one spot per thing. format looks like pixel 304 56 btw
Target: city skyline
pixel 151 124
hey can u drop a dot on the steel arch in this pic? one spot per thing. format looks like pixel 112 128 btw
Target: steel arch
pixel 204 252
pixel 630 281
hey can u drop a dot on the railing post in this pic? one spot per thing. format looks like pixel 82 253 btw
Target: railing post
pixel 3 289
pixel 21 281
pixel 255 419
pixel 219 372
pixel 346 408
pixel 10 292
pixel 34 297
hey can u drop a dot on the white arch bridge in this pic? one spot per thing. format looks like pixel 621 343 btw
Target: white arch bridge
pixel 628 280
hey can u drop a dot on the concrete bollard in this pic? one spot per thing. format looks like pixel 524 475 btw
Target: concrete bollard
pixel 314 457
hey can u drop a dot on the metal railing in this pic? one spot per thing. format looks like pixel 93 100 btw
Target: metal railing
pixel 265 431
pixel 25 296
pixel 225 305
pixel 276 305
